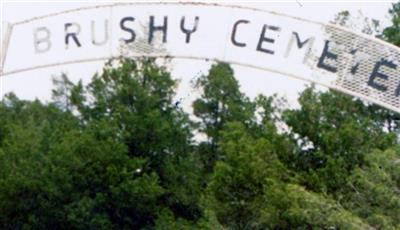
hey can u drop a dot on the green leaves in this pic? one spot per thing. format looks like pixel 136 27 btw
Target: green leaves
pixel 391 33
pixel 372 191
pixel 114 165
pixel 118 154
pixel 221 100
pixel 343 130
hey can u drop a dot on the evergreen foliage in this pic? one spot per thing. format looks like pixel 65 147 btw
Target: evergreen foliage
pixel 119 154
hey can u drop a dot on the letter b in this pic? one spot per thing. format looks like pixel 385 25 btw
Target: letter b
pixel 41 39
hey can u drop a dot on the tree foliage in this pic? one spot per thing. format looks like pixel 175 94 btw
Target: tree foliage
pixel 119 154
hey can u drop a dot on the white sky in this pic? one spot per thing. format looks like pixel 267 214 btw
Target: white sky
pixel 37 84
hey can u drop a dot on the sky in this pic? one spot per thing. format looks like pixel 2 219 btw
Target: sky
pixel 38 83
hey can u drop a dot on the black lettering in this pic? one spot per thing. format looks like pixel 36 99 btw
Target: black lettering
pixel 189 32
pixel 375 73
pixel 153 28
pixel 327 54
pixel 127 29
pixel 72 34
pixel 397 92
pixel 266 39
pixel 233 36
pixel 354 68
pixel 300 44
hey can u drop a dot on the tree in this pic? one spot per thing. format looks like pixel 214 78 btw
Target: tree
pixel 236 190
pixel 123 161
pixel 136 99
pixel 343 130
pixel 391 33
pixel 252 189
pixel 372 191
pixel 221 102
pixel 60 94
pixel 118 154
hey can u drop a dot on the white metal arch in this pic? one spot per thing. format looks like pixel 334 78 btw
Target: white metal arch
pixel 337 58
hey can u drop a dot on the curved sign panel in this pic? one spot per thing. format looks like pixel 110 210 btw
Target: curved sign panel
pixel 324 54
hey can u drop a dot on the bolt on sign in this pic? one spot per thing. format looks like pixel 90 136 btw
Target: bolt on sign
pixel 328 55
